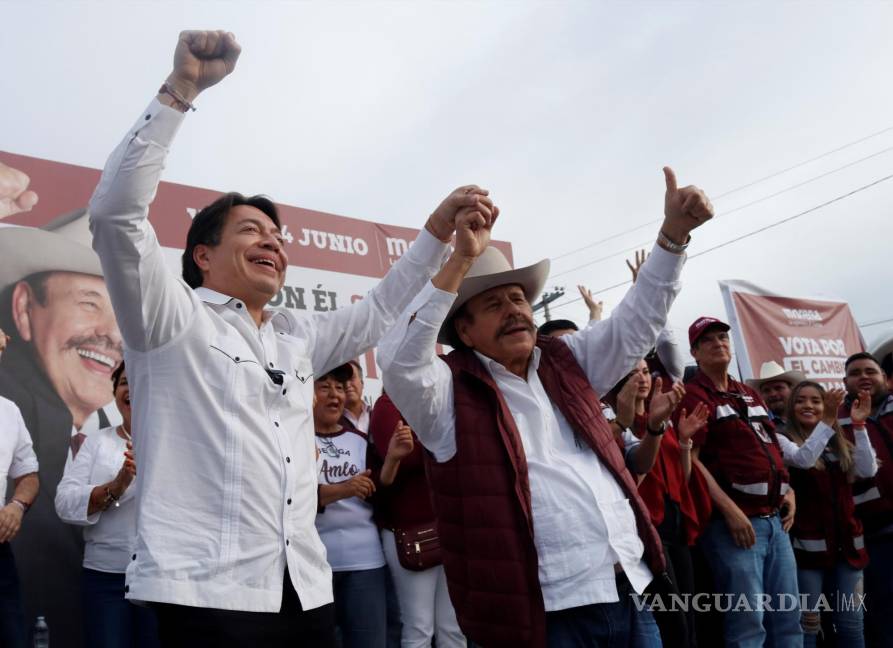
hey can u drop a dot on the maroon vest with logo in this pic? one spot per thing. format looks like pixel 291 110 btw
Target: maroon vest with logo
pixel 826 529
pixel 738 445
pixel 482 498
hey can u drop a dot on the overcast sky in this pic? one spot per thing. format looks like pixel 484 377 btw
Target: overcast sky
pixel 566 111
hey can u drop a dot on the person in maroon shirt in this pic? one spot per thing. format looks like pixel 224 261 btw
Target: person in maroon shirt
pixel 874 496
pixel 404 506
pixel 746 543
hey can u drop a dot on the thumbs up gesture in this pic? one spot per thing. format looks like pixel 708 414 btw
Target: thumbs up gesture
pixel 684 209
pixel 202 58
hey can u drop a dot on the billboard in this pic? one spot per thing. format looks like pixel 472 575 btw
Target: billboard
pixel 813 336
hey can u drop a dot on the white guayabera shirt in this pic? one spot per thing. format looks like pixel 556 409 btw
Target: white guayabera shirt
pixel 226 489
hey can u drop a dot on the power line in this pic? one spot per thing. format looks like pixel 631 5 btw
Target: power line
pixel 731 211
pixel 883 321
pixel 754 233
pixel 733 190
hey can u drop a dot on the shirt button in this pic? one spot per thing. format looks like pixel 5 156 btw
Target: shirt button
pixel 126 589
pixel 288 501
pixel 238 305
pixel 133 557
pixel 237 358
pixel 271 365
pixel 148 117
pixel 287 543
pixel 276 423
pixel 283 391
pixel 288 460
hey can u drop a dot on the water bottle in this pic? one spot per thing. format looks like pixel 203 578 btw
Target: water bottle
pixel 41 633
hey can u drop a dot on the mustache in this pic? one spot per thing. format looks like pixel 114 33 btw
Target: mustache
pixel 518 320
pixel 97 341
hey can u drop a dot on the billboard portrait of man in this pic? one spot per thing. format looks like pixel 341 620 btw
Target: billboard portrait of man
pixel 64 345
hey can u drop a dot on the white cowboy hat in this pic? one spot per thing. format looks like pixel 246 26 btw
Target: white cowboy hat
pixel 490 270
pixel 62 245
pixel 772 371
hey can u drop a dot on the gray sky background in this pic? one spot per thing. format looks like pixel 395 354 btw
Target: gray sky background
pixel 566 111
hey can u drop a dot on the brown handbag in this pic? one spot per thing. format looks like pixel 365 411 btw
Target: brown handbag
pixel 418 546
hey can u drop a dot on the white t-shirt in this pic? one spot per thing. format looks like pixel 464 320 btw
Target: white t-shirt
pixel 346 526
pixel 17 457
pixel 110 534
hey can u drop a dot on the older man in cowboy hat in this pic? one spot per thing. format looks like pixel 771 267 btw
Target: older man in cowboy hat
pixel 774 385
pixel 57 369
pixel 544 537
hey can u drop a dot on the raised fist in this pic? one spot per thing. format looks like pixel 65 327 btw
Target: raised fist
pixel 14 194
pixel 202 58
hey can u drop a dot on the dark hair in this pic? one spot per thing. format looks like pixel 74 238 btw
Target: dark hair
pixel 116 376
pixel 341 374
pixel 207 227
pixel 356 363
pixel 557 325
pixel 887 365
pixel 862 355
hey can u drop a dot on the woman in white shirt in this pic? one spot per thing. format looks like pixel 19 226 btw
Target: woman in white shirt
pixel 95 493
pixel 345 524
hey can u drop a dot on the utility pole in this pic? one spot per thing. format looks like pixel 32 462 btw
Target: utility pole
pixel 548 298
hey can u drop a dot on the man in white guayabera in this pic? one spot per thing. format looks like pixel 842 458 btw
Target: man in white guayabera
pixel 223 386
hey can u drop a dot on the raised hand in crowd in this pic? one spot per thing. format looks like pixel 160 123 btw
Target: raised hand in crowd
pixel 663 404
pixel 626 401
pixel 401 444
pixel 634 267
pixel 127 472
pixel 595 307
pixel 833 398
pixel 860 410
pixel 684 209
pixel 399 447
pixel 690 423
pixel 15 197
pixel 201 59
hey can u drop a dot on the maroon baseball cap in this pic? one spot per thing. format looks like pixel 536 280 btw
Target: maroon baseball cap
pixel 701 324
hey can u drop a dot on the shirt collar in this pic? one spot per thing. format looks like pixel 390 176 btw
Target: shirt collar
pixel 210 296
pixel 495 366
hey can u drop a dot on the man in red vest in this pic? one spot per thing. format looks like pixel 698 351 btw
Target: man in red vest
pixel 746 544
pixel 545 539
pixel 874 496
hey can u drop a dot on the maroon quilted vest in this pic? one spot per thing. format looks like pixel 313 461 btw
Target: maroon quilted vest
pixel 482 498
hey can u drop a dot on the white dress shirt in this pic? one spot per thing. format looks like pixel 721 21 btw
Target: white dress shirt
pixel 108 538
pixel 17 457
pixel 226 489
pixel 360 422
pixel 583 523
